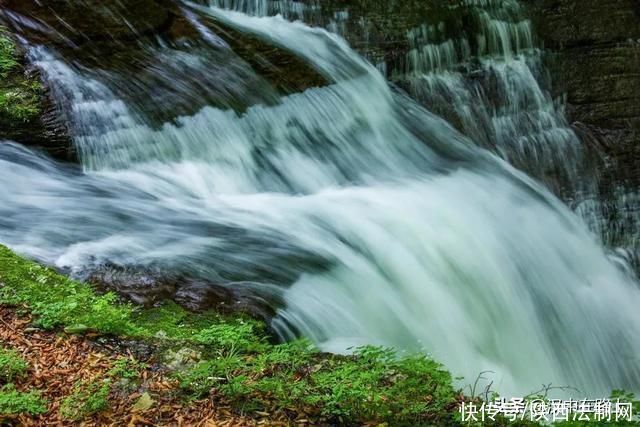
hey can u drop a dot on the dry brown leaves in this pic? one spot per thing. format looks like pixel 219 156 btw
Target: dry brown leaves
pixel 58 361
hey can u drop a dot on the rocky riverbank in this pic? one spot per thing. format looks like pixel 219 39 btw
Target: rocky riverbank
pixel 101 361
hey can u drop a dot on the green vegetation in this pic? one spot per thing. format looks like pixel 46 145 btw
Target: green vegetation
pixel 92 397
pixel 237 359
pixel 12 366
pixel 126 369
pixel 87 398
pixel 372 385
pixel 13 402
pixel 57 301
pixel 7 57
pixel 19 94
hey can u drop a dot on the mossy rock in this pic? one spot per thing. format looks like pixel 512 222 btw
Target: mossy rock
pixel 26 115
pixel 19 93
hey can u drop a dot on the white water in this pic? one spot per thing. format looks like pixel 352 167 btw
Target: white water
pixel 376 221
pixel 502 106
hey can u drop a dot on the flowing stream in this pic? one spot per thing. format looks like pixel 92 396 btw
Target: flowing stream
pixel 415 214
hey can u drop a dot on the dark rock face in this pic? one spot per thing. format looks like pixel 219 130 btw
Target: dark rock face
pixel 79 21
pixel 148 288
pixel 595 60
pixel 115 35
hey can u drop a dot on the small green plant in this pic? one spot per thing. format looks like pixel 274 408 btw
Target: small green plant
pixel 7 55
pixel 204 376
pixel 19 104
pixel 87 398
pixel 372 385
pixel 126 368
pixel 13 402
pixel 239 335
pixel 12 366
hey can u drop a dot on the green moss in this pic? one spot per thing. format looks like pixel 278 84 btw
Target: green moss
pixel 8 61
pixel 175 323
pixel 127 369
pixel 13 402
pixel 19 94
pixel 239 361
pixel 58 301
pixel 12 366
pixel 372 385
pixel 87 398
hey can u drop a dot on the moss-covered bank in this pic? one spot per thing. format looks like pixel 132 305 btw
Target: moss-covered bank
pixel 233 358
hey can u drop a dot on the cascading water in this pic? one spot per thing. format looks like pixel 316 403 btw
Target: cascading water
pixel 372 220
pixel 486 82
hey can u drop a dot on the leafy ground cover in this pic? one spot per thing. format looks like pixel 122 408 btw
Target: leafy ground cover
pixel 207 357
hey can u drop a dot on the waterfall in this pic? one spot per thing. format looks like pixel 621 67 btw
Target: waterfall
pixel 373 219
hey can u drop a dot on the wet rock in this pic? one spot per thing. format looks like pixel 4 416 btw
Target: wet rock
pixel 200 296
pixel 150 288
pixel 79 21
pixel 141 286
pixel 594 60
pixel 144 403
pixel 77 329
pixel 378 30
pixel 285 71
pixel 181 359
pixel 139 349
pixel 570 23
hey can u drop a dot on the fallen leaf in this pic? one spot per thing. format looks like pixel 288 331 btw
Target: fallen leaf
pixel 144 403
